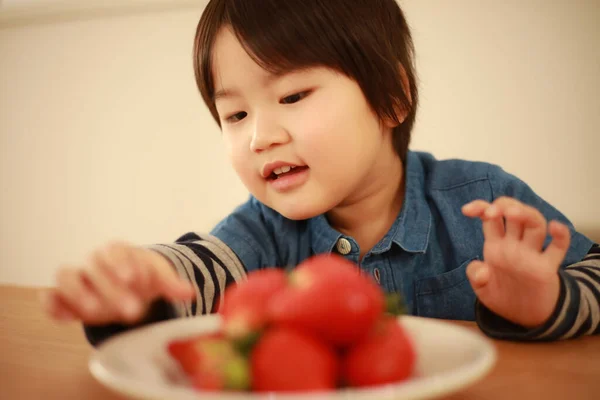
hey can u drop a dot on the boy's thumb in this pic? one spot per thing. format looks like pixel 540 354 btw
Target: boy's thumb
pixel 174 288
pixel 478 273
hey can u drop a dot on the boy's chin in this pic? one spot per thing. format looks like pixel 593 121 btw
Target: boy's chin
pixel 298 212
pixel 300 205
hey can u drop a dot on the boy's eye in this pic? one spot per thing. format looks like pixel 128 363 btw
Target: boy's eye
pixel 237 117
pixel 294 98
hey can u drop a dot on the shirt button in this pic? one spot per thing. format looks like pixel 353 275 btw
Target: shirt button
pixel 343 246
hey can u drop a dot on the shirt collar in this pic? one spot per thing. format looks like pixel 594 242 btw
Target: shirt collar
pixel 323 236
pixel 414 222
pixel 411 229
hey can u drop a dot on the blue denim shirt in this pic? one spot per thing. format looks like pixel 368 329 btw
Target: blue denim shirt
pixel 425 253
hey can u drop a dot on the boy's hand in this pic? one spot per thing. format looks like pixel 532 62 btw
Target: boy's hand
pixel 117 285
pixel 516 279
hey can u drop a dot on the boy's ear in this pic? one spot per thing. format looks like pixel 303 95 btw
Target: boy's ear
pixel 400 109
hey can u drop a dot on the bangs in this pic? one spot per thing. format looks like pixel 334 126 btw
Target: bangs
pixel 280 36
pixel 283 36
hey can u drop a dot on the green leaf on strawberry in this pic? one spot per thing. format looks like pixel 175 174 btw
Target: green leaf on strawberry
pixel 395 304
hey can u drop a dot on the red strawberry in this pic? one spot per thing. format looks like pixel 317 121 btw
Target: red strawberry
pixel 285 360
pixel 212 363
pixel 329 264
pixel 385 356
pixel 244 309
pixel 330 298
pixel 186 353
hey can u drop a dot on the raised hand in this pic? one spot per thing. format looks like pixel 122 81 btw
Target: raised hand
pixel 517 279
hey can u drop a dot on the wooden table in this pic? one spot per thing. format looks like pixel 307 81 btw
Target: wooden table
pixel 42 360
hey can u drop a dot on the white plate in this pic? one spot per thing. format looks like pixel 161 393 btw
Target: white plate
pixel 137 364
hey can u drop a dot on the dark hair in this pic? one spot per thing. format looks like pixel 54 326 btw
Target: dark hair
pixel 367 40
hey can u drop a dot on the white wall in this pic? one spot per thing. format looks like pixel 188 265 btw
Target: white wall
pixel 104 136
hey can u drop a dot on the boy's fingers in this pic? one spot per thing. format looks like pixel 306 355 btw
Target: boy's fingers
pixel 71 288
pixel 475 208
pixel 176 289
pixel 164 278
pixel 493 226
pixel 493 223
pixel 513 227
pixel 561 239
pixel 120 300
pixel 111 261
pixel 523 222
pixel 54 308
pixel 117 256
pixel 533 222
pixel 142 266
pixel 121 263
pixel 84 303
pixel 63 310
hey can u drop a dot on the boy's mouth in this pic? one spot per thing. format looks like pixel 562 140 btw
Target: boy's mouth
pixel 285 171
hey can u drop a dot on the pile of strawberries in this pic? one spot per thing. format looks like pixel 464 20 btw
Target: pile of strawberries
pixel 321 327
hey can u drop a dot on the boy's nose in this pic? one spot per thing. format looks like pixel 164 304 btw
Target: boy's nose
pixel 268 135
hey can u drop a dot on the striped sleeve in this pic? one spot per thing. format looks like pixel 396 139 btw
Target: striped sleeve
pixel 204 260
pixel 578 309
pixel 577 312
pixel 208 263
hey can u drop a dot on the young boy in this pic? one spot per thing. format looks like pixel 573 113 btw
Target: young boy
pixel 316 101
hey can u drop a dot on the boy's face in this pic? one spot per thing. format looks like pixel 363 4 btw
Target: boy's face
pixel 316 120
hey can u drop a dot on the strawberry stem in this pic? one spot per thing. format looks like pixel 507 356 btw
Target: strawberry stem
pixel 246 344
pixel 394 304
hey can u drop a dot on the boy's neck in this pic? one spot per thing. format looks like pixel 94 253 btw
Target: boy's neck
pixel 369 217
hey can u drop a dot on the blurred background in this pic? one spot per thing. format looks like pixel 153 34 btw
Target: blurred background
pixel 104 136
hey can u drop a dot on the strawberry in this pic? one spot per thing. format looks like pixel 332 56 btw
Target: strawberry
pixel 211 362
pixel 328 297
pixel 285 360
pixel 244 309
pixel 186 354
pixel 385 356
